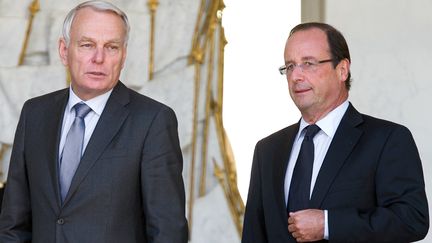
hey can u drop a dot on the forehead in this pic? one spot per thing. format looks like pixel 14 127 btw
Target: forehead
pixel 307 43
pixel 94 23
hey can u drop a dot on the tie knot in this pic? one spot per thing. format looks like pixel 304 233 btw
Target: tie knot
pixel 311 131
pixel 81 110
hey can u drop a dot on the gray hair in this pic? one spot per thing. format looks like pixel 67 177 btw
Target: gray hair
pixel 98 6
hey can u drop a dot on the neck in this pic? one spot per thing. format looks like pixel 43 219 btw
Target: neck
pixel 312 116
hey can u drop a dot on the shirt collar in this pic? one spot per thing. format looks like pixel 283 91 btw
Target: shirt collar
pixel 329 123
pixel 97 104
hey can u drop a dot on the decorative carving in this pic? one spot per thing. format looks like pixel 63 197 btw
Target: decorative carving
pixel 152 5
pixel 3 149
pixel 33 9
pixel 204 53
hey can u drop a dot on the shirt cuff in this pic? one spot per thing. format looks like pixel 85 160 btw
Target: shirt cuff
pixel 326 229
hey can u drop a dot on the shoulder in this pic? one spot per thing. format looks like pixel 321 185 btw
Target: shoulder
pixel 46 101
pixel 382 127
pixel 48 98
pixel 145 103
pixel 375 132
pixel 144 107
pixel 394 136
pixel 134 101
pixel 371 126
pixel 279 137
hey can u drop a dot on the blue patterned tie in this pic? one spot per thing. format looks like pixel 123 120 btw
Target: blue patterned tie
pixel 299 192
pixel 72 150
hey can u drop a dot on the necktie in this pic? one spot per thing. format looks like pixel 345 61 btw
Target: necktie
pixel 72 150
pixel 299 192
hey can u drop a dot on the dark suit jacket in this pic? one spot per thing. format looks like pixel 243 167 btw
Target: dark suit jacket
pixel 127 188
pixel 371 182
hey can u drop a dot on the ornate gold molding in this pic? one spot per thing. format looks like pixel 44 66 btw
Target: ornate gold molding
pixel 152 5
pixel 198 58
pixel 228 176
pixel 208 108
pixel 3 149
pixel 208 45
pixel 237 215
pixel 229 181
pixel 193 57
pixel 33 9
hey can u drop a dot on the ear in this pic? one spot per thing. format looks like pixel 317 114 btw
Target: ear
pixel 343 69
pixel 63 51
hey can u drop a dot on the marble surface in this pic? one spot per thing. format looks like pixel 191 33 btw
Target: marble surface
pixel 176 89
pixel 173 84
pixel 15 8
pixel 175 24
pixel 12 33
pixel 212 222
pixel 20 84
pixel 37 49
pixel 17 85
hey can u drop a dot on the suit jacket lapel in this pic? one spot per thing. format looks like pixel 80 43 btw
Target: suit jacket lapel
pixel 53 134
pixel 346 136
pixel 280 166
pixel 107 127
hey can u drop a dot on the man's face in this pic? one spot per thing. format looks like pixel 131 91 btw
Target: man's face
pixel 96 52
pixel 321 88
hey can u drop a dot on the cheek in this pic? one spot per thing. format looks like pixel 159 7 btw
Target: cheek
pixel 290 86
pixel 323 81
pixel 78 59
pixel 118 64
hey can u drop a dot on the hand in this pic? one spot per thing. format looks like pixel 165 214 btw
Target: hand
pixel 306 225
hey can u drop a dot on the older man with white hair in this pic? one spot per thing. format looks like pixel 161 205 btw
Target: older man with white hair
pixel 96 162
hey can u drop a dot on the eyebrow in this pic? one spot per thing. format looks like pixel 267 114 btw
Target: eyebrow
pixel 303 59
pixel 84 39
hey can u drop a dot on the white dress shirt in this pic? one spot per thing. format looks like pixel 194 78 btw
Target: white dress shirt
pixel 97 104
pixel 322 140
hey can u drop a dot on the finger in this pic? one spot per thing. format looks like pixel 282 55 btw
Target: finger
pixel 291 228
pixel 298 237
pixel 290 220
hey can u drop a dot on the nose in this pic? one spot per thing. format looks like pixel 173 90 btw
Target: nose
pixel 98 55
pixel 296 74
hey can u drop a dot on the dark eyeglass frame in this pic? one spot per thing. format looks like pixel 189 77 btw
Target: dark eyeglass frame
pixel 304 66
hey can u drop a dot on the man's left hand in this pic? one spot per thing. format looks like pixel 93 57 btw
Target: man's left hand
pixel 306 225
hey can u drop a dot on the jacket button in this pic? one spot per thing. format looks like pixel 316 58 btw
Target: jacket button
pixel 60 221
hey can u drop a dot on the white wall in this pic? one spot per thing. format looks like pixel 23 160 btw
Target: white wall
pixel 390 45
pixel 256 98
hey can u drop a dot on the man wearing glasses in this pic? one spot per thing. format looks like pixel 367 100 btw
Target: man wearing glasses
pixel 336 175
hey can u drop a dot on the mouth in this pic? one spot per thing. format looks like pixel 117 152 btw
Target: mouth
pixel 96 74
pixel 301 91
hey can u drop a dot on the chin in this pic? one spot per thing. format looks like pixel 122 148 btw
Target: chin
pixel 303 106
pixel 99 84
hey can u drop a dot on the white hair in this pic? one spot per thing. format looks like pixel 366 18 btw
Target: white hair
pixel 98 6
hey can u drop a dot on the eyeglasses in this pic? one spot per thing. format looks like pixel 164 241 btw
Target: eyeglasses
pixel 305 66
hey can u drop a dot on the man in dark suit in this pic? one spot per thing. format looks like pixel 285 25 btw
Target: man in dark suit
pixel 127 186
pixel 337 175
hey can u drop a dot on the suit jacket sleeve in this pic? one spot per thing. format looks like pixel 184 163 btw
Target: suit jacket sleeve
pixel 401 214
pixel 254 223
pixel 161 181
pixel 15 218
